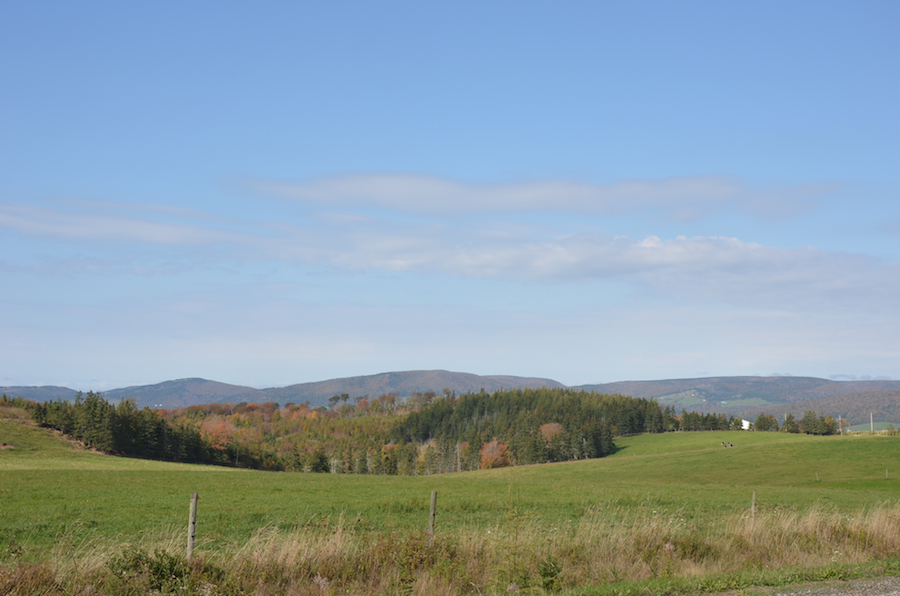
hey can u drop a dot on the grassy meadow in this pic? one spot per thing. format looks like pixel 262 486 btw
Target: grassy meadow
pixel 667 507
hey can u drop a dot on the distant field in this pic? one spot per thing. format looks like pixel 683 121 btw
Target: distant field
pixel 672 443
pixel 52 494
pixel 686 399
pixel 692 400
pixel 746 403
pixel 878 426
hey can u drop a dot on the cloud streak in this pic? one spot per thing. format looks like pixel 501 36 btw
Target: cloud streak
pixel 708 268
pixel 701 269
pixel 104 225
pixel 681 198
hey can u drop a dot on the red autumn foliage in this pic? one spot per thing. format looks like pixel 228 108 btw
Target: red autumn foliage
pixel 494 455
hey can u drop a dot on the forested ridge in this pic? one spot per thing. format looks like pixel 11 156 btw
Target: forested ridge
pixel 427 433
pixel 534 425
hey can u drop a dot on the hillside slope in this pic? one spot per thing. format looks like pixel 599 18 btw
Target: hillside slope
pixel 187 392
pixel 195 391
pixel 403 384
pixel 738 396
pixel 42 393
pixel 743 395
pixel 884 406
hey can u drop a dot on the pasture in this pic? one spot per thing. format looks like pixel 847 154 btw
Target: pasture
pixel 673 503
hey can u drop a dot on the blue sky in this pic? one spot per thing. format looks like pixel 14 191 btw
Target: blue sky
pixel 591 192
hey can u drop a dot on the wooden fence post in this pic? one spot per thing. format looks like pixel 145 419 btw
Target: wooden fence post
pixel 192 525
pixel 431 516
pixel 753 508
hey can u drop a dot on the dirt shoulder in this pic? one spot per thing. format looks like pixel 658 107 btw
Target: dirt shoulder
pixel 882 586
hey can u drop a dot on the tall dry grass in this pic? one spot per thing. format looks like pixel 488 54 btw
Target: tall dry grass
pixel 336 557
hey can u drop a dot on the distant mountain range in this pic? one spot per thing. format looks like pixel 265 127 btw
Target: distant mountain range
pixel 189 392
pixel 743 396
pixel 724 392
pixel 403 384
pixel 750 396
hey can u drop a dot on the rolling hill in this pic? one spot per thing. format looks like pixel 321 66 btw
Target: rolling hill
pixel 187 392
pixel 740 396
pixel 42 393
pixel 752 395
pixel 403 384
pixel 677 501
pixel 884 406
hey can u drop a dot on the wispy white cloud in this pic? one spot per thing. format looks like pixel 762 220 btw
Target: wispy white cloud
pixel 681 198
pixel 142 210
pixel 701 268
pixel 706 269
pixel 104 225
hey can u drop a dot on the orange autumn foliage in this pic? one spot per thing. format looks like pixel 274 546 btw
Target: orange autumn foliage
pixel 218 431
pixel 494 455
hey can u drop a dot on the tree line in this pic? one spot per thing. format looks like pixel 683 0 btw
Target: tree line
pixel 126 430
pixel 810 424
pixel 524 426
pixel 427 433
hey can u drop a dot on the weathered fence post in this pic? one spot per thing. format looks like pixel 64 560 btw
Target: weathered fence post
pixel 431 517
pixel 192 525
pixel 753 508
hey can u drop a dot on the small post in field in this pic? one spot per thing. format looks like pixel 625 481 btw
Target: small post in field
pixel 817 476
pixel 753 508
pixel 431 517
pixel 192 525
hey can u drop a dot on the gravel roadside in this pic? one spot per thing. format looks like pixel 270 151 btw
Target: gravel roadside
pixel 883 586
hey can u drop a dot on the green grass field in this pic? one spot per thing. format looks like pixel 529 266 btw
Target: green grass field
pixel 52 493
pixel 47 487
